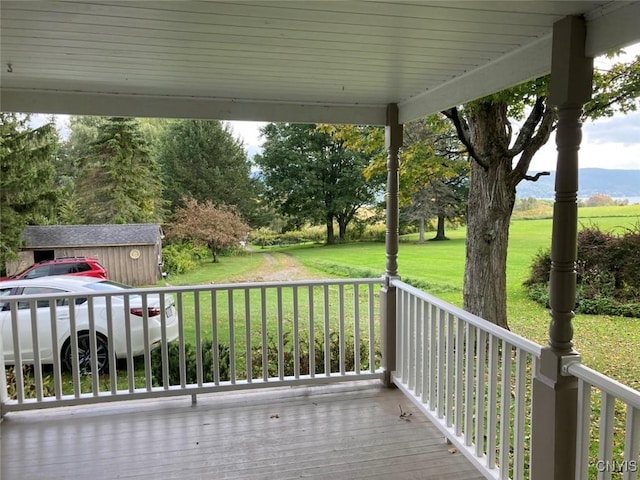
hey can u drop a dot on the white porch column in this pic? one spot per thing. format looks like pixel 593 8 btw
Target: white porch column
pixel 393 142
pixel 553 427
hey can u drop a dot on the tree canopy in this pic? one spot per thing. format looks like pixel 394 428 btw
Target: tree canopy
pixel 312 176
pixel 216 227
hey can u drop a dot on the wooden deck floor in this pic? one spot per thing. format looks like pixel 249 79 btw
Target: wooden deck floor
pixel 333 432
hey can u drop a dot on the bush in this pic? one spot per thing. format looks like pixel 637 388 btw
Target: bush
pixel 190 363
pixel 608 273
pixel 256 353
pixel 178 258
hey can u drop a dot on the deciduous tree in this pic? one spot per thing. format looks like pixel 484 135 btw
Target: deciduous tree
pixel 204 223
pixel 500 162
pixel 311 175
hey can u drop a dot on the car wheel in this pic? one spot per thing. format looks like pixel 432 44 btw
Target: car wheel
pixel 84 353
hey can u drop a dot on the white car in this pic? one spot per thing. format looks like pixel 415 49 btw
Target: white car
pixel 75 285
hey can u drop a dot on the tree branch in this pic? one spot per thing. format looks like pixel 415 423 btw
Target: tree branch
pixel 535 143
pixel 464 135
pixel 536 177
pixel 528 129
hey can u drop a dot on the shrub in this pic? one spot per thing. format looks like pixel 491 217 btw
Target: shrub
pixel 179 258
pixel 608 273
pixel 190 364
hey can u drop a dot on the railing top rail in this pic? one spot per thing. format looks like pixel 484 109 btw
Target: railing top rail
pixel 510 337
pixel 196 288
pixel 606 384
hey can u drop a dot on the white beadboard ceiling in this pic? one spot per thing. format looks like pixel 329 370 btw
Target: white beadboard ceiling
pixel 315 61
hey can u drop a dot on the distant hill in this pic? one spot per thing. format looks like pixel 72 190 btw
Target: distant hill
pixel 615 183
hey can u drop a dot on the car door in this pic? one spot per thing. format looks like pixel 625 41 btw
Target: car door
pixel 43 313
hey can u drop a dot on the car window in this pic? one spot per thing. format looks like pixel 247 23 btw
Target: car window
pixel 42 291
pixel 62 269
pixel 82 267
pixel 4 292
pixel 38 272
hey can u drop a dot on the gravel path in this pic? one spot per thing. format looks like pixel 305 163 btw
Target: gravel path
pixel 277 267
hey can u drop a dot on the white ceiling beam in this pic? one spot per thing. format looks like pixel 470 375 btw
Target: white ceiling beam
pixel 528 62
pixel 77 103
pixel 619 28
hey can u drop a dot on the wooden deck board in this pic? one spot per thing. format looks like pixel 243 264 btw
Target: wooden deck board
pixel 332 432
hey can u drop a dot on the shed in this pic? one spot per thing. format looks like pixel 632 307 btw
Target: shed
pixel 131 253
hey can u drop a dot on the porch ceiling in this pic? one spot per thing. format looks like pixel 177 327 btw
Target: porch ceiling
pixel 313 61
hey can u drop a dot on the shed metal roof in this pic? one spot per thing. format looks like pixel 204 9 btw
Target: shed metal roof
pixel 56 236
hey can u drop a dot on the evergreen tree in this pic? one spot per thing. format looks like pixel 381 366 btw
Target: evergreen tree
pixel 27 193
pixel 202 160
pixel 119 181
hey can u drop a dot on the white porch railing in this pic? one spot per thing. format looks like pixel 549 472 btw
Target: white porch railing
pixel 270 334
pixel 473 380
pixel 606 409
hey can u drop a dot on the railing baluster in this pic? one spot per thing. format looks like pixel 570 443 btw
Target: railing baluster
pixel 181 345
pixel 296 335
pixel 450 368
pixel 280 335
pixel 442 368
pixel 468 387
pixel 57 367
pixel 519 419
pixel 372 336
pixel 481 355
pixel 583 433
pixel 265 339
pixel 214 337
pixel 632 444
pixel 605 443
pixel 164 347
pixel 247 334
pixel 327 342
pixel 401 328
pixel 95 374
pixel 113 366
pixel 505 410
pixel 411 348
pixel 312 334
pixel 426 352
pixel 341 332
pixel 433 356
pixel 197 326
pixel 419 347
pixel 492 398
pixel 35 344
pixel 356 328
pixel 232 337
pixel 459 399
pixel 147 342
pixel 73 340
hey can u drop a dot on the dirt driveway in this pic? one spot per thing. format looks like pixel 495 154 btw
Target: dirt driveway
pixel 277 267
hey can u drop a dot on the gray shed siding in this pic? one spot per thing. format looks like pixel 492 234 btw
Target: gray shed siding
pixel 115 253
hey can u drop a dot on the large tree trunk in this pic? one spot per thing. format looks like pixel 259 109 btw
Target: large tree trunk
pixel 440 230
pixel 342 225
pixel 485 276
pixel 491 200
pixel 492 191
pixel 331 239
pixel 421 234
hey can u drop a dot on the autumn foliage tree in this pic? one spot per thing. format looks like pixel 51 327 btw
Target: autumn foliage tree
pixel 216 227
